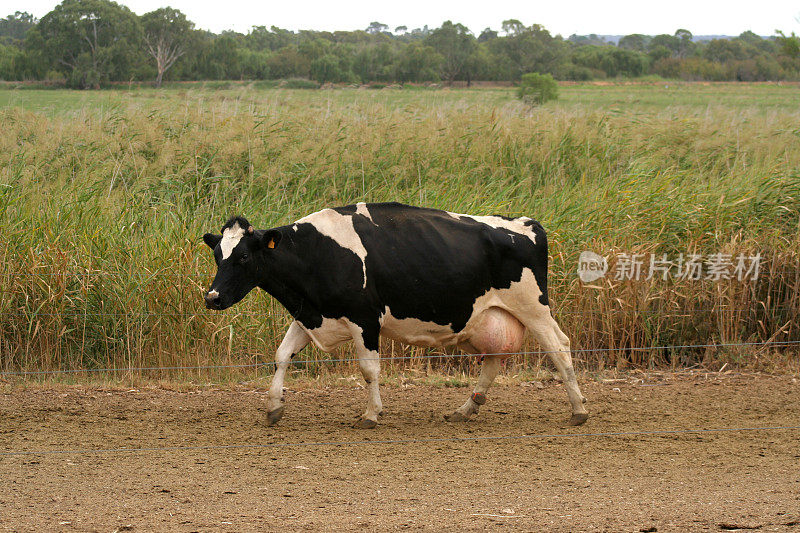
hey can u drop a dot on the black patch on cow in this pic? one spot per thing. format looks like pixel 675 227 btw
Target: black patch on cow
pixel 421 263
pixel 426 264
pixel 346 209
pixel 243 223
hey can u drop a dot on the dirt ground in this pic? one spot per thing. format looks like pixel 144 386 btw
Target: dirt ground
pixel 568 481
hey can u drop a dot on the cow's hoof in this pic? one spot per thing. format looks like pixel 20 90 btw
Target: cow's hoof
pixel 456 416
pixel 274 416
pixel 365 423
pixel 578 419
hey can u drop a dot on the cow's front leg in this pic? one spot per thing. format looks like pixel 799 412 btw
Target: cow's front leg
pixel 295 340
pixel 370 364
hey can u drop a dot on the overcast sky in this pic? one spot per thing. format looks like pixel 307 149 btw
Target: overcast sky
pixel 610 17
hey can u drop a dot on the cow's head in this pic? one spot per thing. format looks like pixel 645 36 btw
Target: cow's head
pixel 241 255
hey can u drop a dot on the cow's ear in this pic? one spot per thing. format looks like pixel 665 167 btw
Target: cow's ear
pixel 212 240
pixel 271 238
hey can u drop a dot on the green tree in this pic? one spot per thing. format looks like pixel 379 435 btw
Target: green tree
pixel 167 35
pixel 221 59
pixel 658 52
pixel 9 57
pixel 513 27
pixel 670 42
pixel 35 64
pixel 583 40
pixel 260 38
pixel 724 50
pixel 331 68
pixel 478 66
pixel 455 43
pixel 418 63
pixel 255 64
pixel 375 63
pixel 537 88
pixel 288 62
pixel 91 41
pixel 487 34
pixel 376 28
pixel 684 42
pixel 312 47
pixel 636 42
pixel 14 27
pixel 611 60
pixel 790 46
pixel 529 49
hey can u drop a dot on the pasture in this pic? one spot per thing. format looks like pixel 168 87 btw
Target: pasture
pixel 151 407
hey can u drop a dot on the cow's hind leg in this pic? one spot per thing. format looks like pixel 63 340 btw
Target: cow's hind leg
pixel 295 340
pixel 370 364
pixel 553 341
pixel 495 331
pixel 489 370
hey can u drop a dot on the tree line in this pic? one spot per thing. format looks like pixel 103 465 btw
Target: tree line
pixel 89 43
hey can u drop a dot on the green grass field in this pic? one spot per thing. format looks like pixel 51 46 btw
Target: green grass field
pixel 647 97
pixel 104 196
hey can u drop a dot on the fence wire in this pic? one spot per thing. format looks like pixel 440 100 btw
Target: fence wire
pixel 142 274
pixel 203 314
pixel 400 358
pixel 194 275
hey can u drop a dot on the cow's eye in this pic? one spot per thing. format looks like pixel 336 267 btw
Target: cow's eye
pixel 244 258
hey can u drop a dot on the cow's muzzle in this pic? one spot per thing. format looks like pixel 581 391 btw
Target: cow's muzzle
pixel 212 300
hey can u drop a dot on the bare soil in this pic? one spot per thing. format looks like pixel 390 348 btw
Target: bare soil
pixel 569 481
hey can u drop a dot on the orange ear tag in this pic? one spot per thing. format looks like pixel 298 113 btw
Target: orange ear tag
pixel 271 243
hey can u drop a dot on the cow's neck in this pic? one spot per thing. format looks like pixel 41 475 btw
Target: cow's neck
pixel 284 280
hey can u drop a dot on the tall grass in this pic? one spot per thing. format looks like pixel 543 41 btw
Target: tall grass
pixel 102 207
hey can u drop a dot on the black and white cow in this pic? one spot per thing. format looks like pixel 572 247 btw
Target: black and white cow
pixel 420 276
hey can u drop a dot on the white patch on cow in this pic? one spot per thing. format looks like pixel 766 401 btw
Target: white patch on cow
pixel 294 227
pixel 361 209
pixel 415 331
pixel 213 293
pixel 517 225
pixel 332 333
pixel 230 238
pixel 521 298
pixel 339 228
